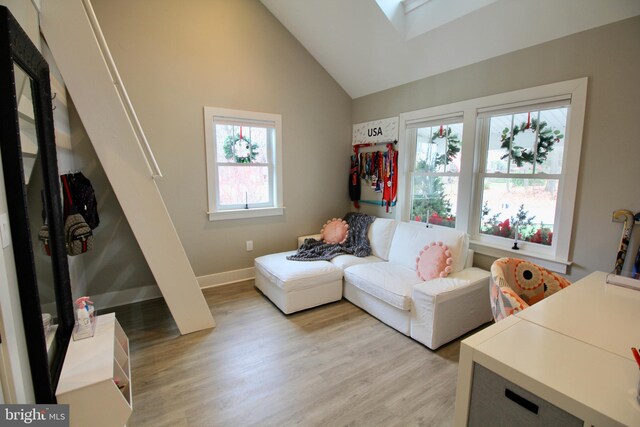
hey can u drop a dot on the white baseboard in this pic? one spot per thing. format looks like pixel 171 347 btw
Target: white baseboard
pixel 116 298
pixel 226 277
pixel 144 293
pixel 127 296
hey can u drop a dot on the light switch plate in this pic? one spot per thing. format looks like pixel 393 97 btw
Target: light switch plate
pixel 5 231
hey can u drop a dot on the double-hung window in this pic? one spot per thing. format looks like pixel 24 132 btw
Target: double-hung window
pixel 244 167
pixel 435 171
pixel 511 175
pixel 522 173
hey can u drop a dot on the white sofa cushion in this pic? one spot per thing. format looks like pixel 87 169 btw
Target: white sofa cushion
pixel 293 275
pixel 346 261
pixel 380 234
pixel 445 288
pixel 410 238
pixel 389 282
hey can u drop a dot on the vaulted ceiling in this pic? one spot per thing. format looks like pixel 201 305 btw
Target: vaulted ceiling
pixel 372 45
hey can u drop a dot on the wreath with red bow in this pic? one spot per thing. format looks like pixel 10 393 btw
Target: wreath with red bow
pixel 240 148
pixel 547 137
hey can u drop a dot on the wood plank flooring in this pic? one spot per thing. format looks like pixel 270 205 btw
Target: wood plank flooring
pixel 333 365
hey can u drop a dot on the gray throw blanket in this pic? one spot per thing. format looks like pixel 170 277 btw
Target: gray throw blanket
pixel 357 242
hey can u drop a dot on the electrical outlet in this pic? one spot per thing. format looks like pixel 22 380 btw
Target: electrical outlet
pixel 249 245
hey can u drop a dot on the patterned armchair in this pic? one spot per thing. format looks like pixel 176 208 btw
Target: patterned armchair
pixel 516 284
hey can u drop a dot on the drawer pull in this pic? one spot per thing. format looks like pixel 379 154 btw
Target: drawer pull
pixel 526 404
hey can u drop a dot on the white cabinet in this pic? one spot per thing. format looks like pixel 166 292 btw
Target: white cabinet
pixel 96 377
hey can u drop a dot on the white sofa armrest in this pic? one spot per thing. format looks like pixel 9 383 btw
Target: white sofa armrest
pixel 469 261
pixel 444 309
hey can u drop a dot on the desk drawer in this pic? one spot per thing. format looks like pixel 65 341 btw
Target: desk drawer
pixel 498 402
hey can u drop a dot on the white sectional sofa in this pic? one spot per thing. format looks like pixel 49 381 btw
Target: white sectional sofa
pixel 386 284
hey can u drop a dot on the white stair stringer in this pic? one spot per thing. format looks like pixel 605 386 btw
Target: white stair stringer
pixel 93 83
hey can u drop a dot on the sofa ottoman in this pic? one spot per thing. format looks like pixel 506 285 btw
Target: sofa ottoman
pixel 297 285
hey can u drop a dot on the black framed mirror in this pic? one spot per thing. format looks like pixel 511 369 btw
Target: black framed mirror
pixel 32 186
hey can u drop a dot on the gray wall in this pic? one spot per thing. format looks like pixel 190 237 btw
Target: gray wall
pixel 116 262
pixel 177 57
pixel 609 174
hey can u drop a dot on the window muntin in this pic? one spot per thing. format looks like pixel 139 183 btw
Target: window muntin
pixel 523 172
pixel 257 136
pixel 435 172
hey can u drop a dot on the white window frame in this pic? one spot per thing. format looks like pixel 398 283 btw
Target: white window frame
pixel 483 133
pixel 412 128
pixel 213 115
pixel 470 198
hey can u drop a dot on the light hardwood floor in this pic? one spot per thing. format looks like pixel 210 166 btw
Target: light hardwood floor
pixel 333 365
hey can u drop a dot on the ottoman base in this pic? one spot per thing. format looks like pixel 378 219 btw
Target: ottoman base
pixel 297 285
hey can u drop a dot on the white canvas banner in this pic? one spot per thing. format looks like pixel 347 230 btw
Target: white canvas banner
pixel 385 130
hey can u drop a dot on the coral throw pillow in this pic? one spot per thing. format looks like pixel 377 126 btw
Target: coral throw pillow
pixel 334 231
pixel 434 261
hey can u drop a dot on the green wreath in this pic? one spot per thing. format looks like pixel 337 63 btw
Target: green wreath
pixel 547 137
pixel 240 149
pixel 453 146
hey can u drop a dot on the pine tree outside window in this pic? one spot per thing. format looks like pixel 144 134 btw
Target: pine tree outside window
pixel 436 170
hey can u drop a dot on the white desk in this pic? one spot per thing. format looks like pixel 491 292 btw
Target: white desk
pixel 572 350
pixel 603 315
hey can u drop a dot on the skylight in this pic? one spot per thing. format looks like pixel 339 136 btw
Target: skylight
pixel 412 18
pixel 410 5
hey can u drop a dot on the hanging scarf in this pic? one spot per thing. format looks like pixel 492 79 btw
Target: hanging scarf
pixel 390 178
pixel 354 181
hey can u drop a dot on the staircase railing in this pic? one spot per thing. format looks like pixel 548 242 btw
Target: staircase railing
pixel 154 169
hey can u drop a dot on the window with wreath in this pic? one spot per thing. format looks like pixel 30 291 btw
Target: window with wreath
pixel 522 172
pixel 436 170
pixel 243 163
pixel 513 172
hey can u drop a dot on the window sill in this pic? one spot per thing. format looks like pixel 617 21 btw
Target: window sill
pixel 245 213
pixel 549 262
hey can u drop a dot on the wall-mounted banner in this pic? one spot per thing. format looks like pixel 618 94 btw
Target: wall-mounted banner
pixel 385 130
